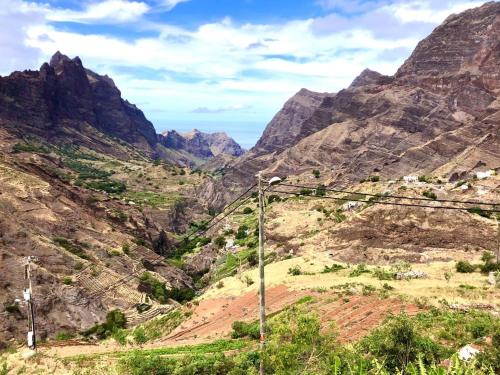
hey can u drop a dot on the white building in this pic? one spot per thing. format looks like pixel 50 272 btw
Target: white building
pixel 486 174
pixel 351 205
pixel 410 178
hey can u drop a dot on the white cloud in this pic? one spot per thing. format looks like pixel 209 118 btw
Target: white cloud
pixel 109 11
pixel 15 18
pixel 429 11
pixel 229 108
pixel 171 4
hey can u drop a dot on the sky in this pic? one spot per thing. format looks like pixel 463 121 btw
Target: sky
pixel 219 65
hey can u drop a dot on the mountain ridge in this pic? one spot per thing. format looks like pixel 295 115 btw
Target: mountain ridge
pixel 442 101
pixel 61 100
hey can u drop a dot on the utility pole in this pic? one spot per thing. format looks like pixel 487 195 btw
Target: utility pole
pixel 28 297
pixel 262 296
pixel 498 238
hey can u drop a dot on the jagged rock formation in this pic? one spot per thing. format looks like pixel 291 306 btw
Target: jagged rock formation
pixel 65 102
pixel 219 143
pixel 440 112
pixel 62 100
pixel 195 148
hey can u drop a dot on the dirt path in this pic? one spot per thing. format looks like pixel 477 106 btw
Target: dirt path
pixel 212 318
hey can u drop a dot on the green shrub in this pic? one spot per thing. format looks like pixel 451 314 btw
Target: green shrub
pixel 12 308
pixel 295 271
pixel 220 241
pixel 64 336
pixel 111 187
pixel 30 147
pixel 273 198
pixel 305 192
pixel 247 211
pixel 253 258
pixel 464 267
pixel 139 335
pixel 120 336
pixel 424 178
pixel 359 270
pixel 126 248
pixel 398 344
pixel 159 291
pixel 67 281
pixel 374 178
pixel 316 173
pixel 320 191
pixel 429 194
pixel 242 232
pixel 242 329
pixel 70 246
pixel 115 320
pixel 479 211
pixel 382 274
pixel 333 268
pixel 85 171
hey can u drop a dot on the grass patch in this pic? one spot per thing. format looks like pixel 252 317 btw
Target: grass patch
pixel 70 246
pixel 151 199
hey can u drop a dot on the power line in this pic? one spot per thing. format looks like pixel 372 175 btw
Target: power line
pixel 383 203
pixel 198 232
pixel 392 196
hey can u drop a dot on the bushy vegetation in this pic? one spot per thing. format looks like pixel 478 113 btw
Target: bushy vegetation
pixel 159 291
pixel 320 191
pixel 115 320
pixel 85 171
pixel 333 268
pixel 429 194
pixel 242 329
pixel 152 199
pixel 111 187
pixel 297 344
pixel 247 211
pixel 70 246
pixel 479 211
pixel 295 271
pixel 359 270
pixel 316 173
pixel 30 147
pixel 465 267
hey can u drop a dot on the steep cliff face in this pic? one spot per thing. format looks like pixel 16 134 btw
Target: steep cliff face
pixel 61 100
pixel 438 113
pixel 66 103
pixel 303 114
pixel 219 143
pixel 195 148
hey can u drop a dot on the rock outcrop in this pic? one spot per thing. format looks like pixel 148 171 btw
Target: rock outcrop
pixel 66 103
pixel 61 100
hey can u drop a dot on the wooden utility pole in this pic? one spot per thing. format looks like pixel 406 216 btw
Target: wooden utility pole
pixel 28 297
pixel 262 295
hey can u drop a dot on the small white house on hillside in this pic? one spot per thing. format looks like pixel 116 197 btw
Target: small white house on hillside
pixel 410 179
pixel 485 174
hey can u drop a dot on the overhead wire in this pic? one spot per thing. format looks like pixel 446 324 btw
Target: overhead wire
pixel 385 203
pixel 391 196
pixel 197 232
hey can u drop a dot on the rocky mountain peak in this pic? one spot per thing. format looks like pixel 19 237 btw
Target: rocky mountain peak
pixel 369 77
pixel 463 42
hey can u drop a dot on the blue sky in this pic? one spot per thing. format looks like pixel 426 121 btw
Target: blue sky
pixel 219 65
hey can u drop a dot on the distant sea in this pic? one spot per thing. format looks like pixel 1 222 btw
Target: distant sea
pixel 245 133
